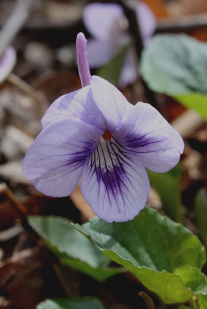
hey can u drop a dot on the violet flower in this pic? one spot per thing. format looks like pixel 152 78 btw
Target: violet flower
pixel 95 134
pixel 108 26
pixel 7 62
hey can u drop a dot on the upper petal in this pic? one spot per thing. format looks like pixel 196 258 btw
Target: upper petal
pixel 114 182
pixel 129 71
pixel 99 17
pixel 100 104
pixel 110 102
pixel 149 135
pixel 147 21
pixel 55 160
pixel 99 53
pixel 76 105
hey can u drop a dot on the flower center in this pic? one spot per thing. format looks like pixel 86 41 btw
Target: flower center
pixel 107 136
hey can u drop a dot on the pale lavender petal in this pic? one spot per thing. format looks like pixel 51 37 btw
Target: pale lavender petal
pixel 76 105
pixel 110 102
pixel 129 71
pixel 7 62
pixel 99 53
pixel 147 21
pixel 150 136
pixel 101 105
pixel 55 111
pixel 99 18
pixel 55 160
pixel 114 183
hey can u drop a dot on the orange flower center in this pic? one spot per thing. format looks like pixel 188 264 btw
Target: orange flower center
pixel 107 136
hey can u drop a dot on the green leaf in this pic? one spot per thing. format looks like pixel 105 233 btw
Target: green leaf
pixel 201 213
pixel 111 71
pixel 168 187
pixel 202 301
pixel 177 66
pixel 73 303
pixel 195 101
pixel 193 279
pixel 152 247
pixel 72 248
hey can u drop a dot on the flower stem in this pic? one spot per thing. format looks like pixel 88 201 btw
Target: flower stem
pixel 148 301
pixel 83 66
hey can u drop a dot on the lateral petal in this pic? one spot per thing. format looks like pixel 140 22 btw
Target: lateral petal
pixel 55 160
pixel 114 182
pixel 110 102
pixel 150 136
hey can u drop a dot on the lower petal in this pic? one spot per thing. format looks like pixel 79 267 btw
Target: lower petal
pixel 55 160
pixel 114 183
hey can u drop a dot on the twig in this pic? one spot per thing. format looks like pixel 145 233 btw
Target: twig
pixel 19 209
pixel 30 91
pixel 184 23
pixel 14 23
pixel 166 24
pixel 187 123
pixel 134 28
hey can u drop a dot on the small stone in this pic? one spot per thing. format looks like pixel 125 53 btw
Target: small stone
pixel 39 55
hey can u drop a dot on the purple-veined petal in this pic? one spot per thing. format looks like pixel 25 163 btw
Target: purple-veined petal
pixel 99 53
pixel 7 62
pixel 150 136
pixel 99 17
pixel 147 21
pixel 110 101
pixel 55 160
pixel 129 71
pixel 114 182
pixel 76 105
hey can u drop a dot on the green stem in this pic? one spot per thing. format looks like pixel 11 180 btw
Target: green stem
pixel 148 301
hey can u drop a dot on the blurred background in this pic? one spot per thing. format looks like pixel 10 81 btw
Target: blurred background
pixel 37 65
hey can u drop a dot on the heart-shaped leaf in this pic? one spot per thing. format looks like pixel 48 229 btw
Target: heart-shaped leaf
pixel 152 247
pixel 177 66
pixel 193 278
pixel 72 248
